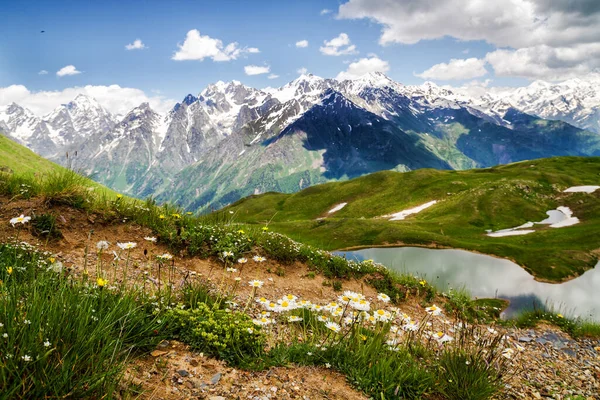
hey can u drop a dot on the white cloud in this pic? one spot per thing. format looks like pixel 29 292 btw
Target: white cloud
pixel 325 11
pixel 273 76
pixel 256 69
pixel 302 71
pixel 43 72
pixel 198 47
pixel 338 46
pixel 67 70
pixel 302 43
pixel 362 67
pixel 136 45
pixel 456 69
pixel 557 31
pixel 116 99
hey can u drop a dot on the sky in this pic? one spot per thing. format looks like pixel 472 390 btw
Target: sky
pixel 126 52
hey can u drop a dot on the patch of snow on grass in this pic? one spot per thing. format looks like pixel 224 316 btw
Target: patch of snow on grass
pixel 337 208
pixel 509 232
pixel 559 218
pixel 581 189
pixel 568 219
pixel 405 213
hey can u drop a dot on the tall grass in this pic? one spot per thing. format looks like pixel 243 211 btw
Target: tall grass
pixel 60 337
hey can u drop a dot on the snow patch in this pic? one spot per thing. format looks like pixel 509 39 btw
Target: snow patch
pixel 337 208
pixel 405 213
pixel 559 218
pixel 509 232
pixel 581 189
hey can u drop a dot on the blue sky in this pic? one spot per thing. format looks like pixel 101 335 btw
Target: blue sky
pixel 91 36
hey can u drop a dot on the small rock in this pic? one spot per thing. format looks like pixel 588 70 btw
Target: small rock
pixel 525 339
pixel 194 362
pixel 217 398
pixel 163 345
pixel 183 373
pixel 158 353
pixel 215 379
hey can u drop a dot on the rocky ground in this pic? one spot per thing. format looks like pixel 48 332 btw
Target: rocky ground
pixel 550 365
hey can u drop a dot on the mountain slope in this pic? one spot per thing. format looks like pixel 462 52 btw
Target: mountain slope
pixel 469 203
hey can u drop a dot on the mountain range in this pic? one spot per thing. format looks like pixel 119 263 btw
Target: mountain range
pixel 230 140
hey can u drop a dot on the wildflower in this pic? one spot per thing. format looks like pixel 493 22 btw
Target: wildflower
pixel 309 354
pixel 304 304
pixel 161 216
pixel 433 310
pixel 382 315
pixel 468 362
pixel 9 270
pixel 271 306
pixel 294 318
pixel 127 245
pixel 26 358
pixel 285 305
pixel 411 326
pixel 442 337
pixel 231 269
pixel 189 213
pixel 241 231
pixel 290 297
pixel 119 196
pixel 165 256
pixel 256 283
pixel 327 365
pixel 360 305
pixel 262 301
pixel 263 321
pixel 242 260
pixel 20 220
pixel 333 326
pixel 507 353
pixel 5 335
pixel 237 279
pixel 101 282
pixel 258 259
pixel 227 254
pixel 264 228
pixel 423 282
pixel 394 329
pixel 176 216
pixel 27 322
pixel 492 330
pixel 46 343
pixel 560 316
pixel 322 318
pixel 151 239
pixel 1 324
pixel 383 297
pixel 102 245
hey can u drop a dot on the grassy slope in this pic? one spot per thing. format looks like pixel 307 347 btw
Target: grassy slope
pixel 470 202
pixel 21 160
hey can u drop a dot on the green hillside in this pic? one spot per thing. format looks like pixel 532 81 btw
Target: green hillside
pixel 469 203
pixel 20 160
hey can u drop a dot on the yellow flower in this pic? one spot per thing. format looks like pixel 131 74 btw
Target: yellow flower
pixel 176 216
pixel 264 228
pixel 560 316
pixel 423 282
pixel 363 337
pixel 161 216
pixel 101 282
pixel 52 259
pixel 119 196
pixel 189 213
pixel 241 231
pixel 9 270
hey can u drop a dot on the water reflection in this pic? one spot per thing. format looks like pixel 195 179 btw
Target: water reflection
pixel 486 276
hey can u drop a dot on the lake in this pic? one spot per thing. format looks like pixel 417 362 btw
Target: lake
pixel 486 276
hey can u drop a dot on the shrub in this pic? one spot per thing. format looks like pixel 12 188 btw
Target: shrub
pixel 45 225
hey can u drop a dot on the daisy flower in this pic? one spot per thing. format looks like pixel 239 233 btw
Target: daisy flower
pixel 22 219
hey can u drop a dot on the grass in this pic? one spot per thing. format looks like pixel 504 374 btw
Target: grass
pixel 470 202
pixel 576 327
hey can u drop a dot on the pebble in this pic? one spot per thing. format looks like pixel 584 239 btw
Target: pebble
pixel 215 379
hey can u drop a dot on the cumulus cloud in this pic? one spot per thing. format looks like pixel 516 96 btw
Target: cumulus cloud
pixel 456 69
pixel 116 99
pixel 302 71
pixel 338 46
pixel 362 67
pixel 273 76
pixel 556 30
pixel 43 72
pixel 325 11
pixel 256 69
pixel 136 45
pixel 67 70
pixel 198 47
pixel 302 43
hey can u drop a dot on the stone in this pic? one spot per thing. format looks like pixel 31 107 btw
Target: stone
pixel 215 378
pixel 525 339
pixel 183 373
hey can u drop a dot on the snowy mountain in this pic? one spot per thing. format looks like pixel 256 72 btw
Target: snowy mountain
pixel 230 140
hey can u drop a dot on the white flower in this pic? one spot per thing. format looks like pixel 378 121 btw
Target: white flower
pixel 304 304
pixel 250 330
pixel 165 256
pixel 383 297
pixel 263 321
pixel 434 310
pixel 492 330
pixel 237 279
pixel 150 239
pixel 322 318
pixel 263 301
pixel 242 260
pixel 333 326
pixel 127 245
pixel 102 245
pixel 27 322
pixel 285 305
pixel 46 343
pixel 294 318
pixel 507 353
pixel 56 266
pixel 5 335
pixel 360 305
pixel 382 315
pixel 1 324
pixel 20 220
pixel 442 337
pixel 256 283
pixel 231 269
pixel 227 254
pixel 259 259
pixel 327 365
pixel 411 326
pixel 26 358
